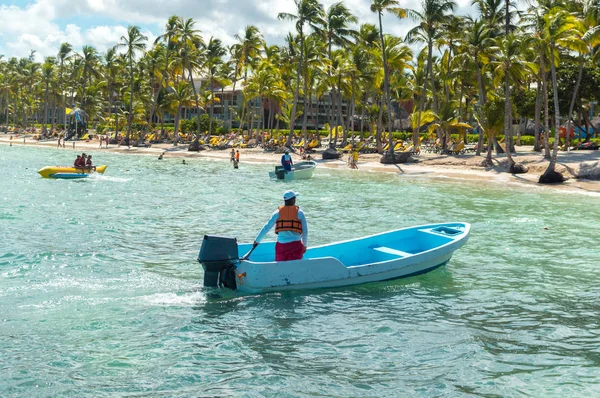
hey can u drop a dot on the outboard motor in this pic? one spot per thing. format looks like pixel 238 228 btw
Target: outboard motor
pixel 280 172
pixel 219 256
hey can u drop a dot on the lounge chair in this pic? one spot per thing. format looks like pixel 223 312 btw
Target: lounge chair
pixel 457 149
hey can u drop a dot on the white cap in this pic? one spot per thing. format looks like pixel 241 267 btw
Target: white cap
pixel 287 195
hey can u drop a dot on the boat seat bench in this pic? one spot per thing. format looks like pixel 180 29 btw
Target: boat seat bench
pixel 395 252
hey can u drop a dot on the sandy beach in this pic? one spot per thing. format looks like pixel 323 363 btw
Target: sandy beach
pixel 427 165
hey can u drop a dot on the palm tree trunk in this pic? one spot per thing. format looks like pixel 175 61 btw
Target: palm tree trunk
pixel 386 86
pixel 482 99
pixel 431 76
pixel 572 106
pixel 130 116
pixel 362 117
pixel 380 125
pixel 196 144
pixel 305 113
pixel 538 106
pixel 552 164
pixel 176 127
pixel 546 119
pixel 44 129
pixel 352 114
pixel 237 65
pixel 212 107
pixel 507 119
pixel 296 92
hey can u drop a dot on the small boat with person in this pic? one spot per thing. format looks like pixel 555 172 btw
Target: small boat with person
pixel 385 256
pixel 300 171
pixel 69 172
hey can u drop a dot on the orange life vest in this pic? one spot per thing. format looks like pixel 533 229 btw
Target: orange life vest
pixel 288 220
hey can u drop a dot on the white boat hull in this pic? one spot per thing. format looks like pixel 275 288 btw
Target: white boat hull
pixel 300 171
pixel 387 256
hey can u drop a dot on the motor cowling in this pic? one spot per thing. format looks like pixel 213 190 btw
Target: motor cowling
pixel 280 172
pixel 219 257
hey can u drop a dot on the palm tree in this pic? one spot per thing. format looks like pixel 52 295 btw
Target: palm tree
pixel 336 32
pixel 134 41
pixel 391 6
pixel 309 12
pixel 213 54
pixel 191 46
pixel 63 54
pixel 477 49
pixel 246 53
pixel 171 28
pixel 560 30
pixel 434 14
pixel 181 96
pixel 89 64
pixel 513 69
pixel 47 75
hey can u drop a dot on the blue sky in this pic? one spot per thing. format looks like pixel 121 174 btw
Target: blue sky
pixel 42 25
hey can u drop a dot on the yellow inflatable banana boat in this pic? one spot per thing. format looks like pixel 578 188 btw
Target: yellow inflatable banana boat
pixel 61 171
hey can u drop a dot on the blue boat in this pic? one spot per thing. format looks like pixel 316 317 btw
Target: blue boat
pixel 69 176
pixel 386 256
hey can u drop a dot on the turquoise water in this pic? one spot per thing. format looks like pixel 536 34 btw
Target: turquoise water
pixel 101 295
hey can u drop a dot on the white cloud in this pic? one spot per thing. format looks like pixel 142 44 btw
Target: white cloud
pixel 37 25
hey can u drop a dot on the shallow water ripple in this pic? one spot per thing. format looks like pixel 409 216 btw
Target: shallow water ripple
pixel 101 296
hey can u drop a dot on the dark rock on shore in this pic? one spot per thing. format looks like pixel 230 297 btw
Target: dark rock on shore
pixel 518 168
pixel 331 153
pixel 196 147
pixel 398 157
pixel 552 177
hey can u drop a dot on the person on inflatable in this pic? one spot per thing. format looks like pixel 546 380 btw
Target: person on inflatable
pixel 290 227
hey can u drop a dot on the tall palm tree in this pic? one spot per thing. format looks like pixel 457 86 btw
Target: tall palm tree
pixel 309 12
pixel 246 52
pixel 47 76
pixel 434 13
pixel 191 46
pixel 213 60
pixel 561 30
pixel 430 19
pixel 391 6
pixel 511 67
pixel 134 41
pixel 336 32
pixel 476 48
pixel 63 55
pixel 171 28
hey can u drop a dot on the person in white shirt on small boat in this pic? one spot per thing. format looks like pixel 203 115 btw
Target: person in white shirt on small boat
pixel 286 161
pixel 291 228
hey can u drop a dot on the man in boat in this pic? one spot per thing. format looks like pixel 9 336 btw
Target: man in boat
pixel 286 161
pixel 290 227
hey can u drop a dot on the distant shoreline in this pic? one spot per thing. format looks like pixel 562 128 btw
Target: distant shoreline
pixel 465 167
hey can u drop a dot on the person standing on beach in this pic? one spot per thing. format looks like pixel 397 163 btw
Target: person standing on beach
pixel 236 161
pixel 355 160
pixel 232 155
pixel 59 137
pixel 291 229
